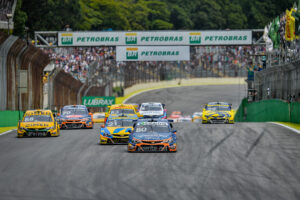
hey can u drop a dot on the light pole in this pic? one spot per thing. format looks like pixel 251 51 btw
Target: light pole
pixel 8 16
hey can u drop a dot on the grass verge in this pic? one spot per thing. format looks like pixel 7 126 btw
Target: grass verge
pixel 292 125
pixel 4 129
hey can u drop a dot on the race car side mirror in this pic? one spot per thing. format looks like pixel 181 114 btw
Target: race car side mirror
pixel 102 126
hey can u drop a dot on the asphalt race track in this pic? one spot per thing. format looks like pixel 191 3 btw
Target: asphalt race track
pixel 240 161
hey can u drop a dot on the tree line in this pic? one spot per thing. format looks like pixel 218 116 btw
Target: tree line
pixel 54 15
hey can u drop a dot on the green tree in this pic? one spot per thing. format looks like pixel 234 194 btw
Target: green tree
pixel 20 18
pixel 207 14
pixel 180 18
pixel 52 14
pixel 158 15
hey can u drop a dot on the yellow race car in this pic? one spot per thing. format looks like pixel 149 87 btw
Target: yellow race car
pixel 122 109
pixel 98 117
pixel 38 123
pixel 218 112
pixel 116 129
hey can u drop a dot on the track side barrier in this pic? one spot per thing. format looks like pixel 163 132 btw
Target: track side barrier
pixel 268 110
pixel 21 73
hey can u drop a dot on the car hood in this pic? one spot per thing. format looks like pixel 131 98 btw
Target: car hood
pixel 118 130
pixel 36 124
pixel 152 113
pixel 217 114
pixel 152 136
pixel 74 116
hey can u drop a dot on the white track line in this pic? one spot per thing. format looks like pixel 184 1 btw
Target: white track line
pixel 6 132
pixel 285 126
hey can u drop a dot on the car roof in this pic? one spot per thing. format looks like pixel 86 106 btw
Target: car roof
pixel 75 106
pixel 38 111
pixel 116 117
pixel 218 104
pixel 151 103
pixel 122 106
pixel 152 120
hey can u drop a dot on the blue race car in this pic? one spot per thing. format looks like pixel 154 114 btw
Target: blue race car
pixel 75 116
pixel 152 135
pixel 116 129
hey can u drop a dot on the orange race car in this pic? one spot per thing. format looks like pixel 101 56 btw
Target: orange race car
pixel 75 116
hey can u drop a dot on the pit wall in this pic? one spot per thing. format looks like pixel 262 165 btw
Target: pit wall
pixel 184 82
pixel 268 110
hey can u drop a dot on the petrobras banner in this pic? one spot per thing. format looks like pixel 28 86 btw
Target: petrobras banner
pixel 155 38
pixel 152 53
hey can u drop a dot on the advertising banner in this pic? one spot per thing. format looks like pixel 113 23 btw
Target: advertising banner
pixel 152 53
pixel 155 38
pixel 95 101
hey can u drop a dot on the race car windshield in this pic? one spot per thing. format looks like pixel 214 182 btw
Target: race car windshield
pixel 99 116
pixel 122 111
pixel 119 123
pixel 151 128
pixel 151 108
pixel 218 108
pixel 37 118
pixel 74 112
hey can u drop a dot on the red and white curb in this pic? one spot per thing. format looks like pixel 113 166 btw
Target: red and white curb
pixel 285 126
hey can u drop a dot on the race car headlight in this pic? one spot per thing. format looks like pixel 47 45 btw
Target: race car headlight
pixel 22 129
pixel 84 119
pixel 136 141
pixel 170 140
pixel 106 134
pixel 49 128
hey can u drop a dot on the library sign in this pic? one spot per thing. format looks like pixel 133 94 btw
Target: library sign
pixel 155 38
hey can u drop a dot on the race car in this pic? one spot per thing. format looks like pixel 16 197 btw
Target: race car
pixel 153 110
pixel 116 129
pixel 75 116
pixel 175 115
pixel 38 123
pixel 152 135
pixel 218 112
pixel 118 109
pixel 98 117
pixel 196 117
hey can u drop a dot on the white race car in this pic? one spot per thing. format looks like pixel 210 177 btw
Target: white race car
pixel 153 110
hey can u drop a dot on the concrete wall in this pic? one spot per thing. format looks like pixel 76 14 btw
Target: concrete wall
pixel 192 81
pixel 281 82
